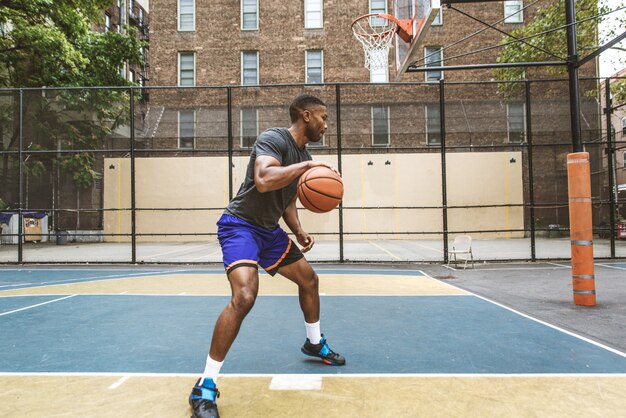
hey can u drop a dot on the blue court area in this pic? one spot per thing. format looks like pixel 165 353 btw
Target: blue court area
pixel 20 278
pixel 450 334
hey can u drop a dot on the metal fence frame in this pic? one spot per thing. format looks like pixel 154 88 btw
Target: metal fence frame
pixel 610 144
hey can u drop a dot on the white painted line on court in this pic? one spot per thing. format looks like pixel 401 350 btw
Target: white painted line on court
pixel 522 268
pixel 450 267
pixel 611 267
pixel 580 337
pixel 34 306
pixel 384 250
pixel 95 278
pixel 559 265
pixel 183 249
pixel 119 382
pixel 296 382
pixel 321 375
pixel 437 250
pixel 16 284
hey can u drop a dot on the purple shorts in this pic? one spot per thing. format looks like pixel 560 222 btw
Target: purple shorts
pixel 244 244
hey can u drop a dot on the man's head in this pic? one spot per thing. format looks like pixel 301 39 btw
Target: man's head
pixel 311 112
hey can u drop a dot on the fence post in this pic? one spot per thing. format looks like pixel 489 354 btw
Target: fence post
pixel 611 165
pixel 133 230
pixel 338 112
pixel 531 189
pixel 444 192
pixel 20 216
pixel 229 129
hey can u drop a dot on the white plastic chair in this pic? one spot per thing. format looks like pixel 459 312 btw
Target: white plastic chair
pixel 462 245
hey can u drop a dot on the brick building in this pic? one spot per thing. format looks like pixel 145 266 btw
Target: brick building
pixel 247 46
pixel 133 13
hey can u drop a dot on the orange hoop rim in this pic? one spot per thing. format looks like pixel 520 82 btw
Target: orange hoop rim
pixel 385 16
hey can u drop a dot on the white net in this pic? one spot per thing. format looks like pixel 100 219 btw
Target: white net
pixel 375 34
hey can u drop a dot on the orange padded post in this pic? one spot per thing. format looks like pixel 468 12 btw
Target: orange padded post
pixel 581 232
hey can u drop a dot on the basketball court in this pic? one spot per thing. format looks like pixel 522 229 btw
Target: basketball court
pixel 131 342
pixel 419 339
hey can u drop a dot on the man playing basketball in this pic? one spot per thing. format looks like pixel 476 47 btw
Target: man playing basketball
pixel 250 236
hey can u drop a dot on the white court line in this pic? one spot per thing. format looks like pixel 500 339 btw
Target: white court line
pixel 560 265
pixel 17 284
pixel 178 250
pixel 206 255
pixel 96 278
pixel 611 267
pixel 296 382
pixel 383 249
pixel 597 344
pixel 521 268
pixel 119 382
pixel 450 267
pixel 329 375
pixel 437 250
pixel 260 296
pixel 34 306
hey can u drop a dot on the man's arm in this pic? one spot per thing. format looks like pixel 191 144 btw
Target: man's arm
pixel 270 175
pixel 290 216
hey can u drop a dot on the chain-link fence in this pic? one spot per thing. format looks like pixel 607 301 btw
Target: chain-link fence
pixel 135 175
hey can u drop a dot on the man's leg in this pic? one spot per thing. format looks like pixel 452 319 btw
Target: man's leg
pixel 244 284
pixel 302 274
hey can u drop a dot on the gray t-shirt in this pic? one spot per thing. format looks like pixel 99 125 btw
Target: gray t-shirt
pixel 266 209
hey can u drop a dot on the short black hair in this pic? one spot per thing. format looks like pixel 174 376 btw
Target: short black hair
pixel 301 103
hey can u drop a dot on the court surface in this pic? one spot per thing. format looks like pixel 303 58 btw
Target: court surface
pixel 130 342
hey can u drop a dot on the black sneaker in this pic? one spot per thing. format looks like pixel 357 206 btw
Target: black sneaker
pixel 202 399
pixel 322 351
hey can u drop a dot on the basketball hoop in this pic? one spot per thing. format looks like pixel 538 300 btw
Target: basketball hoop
pixel 375 32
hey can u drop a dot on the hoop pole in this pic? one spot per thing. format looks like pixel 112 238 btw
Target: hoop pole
pixel 581 228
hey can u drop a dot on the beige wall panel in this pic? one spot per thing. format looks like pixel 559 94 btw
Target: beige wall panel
pixel 374 180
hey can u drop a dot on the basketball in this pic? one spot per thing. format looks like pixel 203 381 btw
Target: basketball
pixel 320 189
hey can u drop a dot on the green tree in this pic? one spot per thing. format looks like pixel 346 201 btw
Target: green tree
pixel 52 43
pixel 589 14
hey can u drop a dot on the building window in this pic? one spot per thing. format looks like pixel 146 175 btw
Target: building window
pixel 131 76
pixel 380 125
pixel 186 69
pixel 438 21
pixel 187 129
pixel 314 67
pixel 313 14
pixel 516 122
pixel 433 125
pixel 379 75
pixel 624 126
pixel 513 12
pixel 249 127
pixel 433 57
pixel 107 22
pixel 378 6
pixel 249 14
pixel 624 159
pixel 250 67
pixel 186 15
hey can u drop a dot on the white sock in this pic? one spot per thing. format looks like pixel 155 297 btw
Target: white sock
pixel 313 332
pixel 212 369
